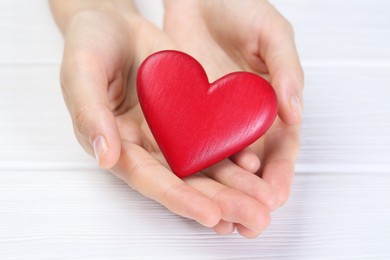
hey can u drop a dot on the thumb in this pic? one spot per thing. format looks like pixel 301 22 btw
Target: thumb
pixel 281 57
pixel 84 88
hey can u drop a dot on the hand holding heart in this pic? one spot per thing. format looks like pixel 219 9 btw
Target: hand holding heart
pixel 250 35
pixel 197 124
pixel 104 46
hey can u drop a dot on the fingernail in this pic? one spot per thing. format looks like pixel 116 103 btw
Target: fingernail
pixel 296 105
pixel 100 147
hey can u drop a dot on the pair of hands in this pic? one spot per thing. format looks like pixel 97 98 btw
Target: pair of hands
pixel 105 42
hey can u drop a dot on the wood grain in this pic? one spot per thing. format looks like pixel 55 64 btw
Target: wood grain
pixel 56 204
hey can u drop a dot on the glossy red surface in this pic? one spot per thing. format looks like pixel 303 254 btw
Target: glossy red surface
pixel 195 123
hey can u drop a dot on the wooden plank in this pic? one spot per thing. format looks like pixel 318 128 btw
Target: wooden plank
pixel 346 119
pixel 56 204
pixel 92 215
pixel 28 33
pixel 35 126
pixel 327 32
pixel 332 32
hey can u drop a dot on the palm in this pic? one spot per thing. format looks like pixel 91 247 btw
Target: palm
pixel 140 154
pixel 224 194
pixel 225 41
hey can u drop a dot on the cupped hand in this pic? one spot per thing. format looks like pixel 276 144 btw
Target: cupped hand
pixel 103 51
pixel 250 35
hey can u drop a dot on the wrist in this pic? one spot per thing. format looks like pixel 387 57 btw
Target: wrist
pixel 66 11
pixel 182 10
pixel 181 4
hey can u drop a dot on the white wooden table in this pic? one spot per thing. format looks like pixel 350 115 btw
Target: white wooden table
pixel 56 204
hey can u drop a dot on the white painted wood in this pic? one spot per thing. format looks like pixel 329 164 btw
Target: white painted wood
pixel 88 214
pixel 351 32
pixel 56 204
pixel 28 33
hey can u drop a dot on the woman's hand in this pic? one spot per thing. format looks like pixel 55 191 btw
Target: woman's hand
pixel 104 46
pixel 250 35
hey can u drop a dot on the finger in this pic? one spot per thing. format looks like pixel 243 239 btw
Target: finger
pixel 224 228
pixel 247 159
pixel 278 166
pixel 149 177
pixel 85 92
pixel 246 232
pixel 229 174
pixel 281 57
pixel 236 207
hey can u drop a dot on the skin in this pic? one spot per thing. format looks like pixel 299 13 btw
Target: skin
pixel 105 42
pixel 251 35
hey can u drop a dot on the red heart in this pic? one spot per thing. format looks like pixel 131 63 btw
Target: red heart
pixel 195 123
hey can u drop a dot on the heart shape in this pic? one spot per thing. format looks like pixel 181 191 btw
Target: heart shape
pixel 197 124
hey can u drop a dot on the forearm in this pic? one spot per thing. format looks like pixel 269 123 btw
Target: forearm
pixel 189 4
pixel 64 10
